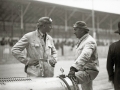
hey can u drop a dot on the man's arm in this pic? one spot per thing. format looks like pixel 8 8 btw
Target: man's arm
pixel 110 65
pixel 18 48
pixel 54 51
pixel 84 56
pixel 53 59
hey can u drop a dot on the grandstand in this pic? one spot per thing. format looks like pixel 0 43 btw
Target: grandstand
pixel 18 17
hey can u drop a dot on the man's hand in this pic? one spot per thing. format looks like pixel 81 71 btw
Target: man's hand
pixel 72 76
pixel 52 61
pixel 111 79
pixel 71 73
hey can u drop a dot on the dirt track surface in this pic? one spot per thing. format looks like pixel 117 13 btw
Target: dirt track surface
pixel 100 83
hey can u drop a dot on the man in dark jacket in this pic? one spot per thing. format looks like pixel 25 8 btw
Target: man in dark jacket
pixel 113 62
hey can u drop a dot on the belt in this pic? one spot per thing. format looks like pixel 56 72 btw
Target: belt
pixel 25 69
pixel 44 60
pixel 89 69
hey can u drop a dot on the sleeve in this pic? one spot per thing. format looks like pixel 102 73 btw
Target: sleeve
pixel 54 51
pixel 17 50
pixel 110 64
pixel 84 55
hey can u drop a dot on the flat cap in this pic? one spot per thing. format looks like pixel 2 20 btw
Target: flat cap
pixel 81 24
pixel 44 20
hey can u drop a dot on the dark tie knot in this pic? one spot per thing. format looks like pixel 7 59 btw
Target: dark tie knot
pixel 44 37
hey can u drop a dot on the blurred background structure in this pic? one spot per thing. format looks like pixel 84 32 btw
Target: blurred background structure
pixel 18 17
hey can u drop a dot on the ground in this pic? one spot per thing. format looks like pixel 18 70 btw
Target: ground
pixel 100 83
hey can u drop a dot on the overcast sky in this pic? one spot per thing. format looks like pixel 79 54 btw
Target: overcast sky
pixel 111 6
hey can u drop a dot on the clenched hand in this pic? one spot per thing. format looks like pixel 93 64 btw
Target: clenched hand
pixel 52 61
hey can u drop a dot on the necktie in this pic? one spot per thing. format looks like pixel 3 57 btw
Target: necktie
pixel 44 37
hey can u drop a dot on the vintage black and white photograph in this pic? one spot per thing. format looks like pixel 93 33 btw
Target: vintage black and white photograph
pixel 59 45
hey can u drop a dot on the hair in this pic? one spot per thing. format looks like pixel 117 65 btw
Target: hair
pixel 43 21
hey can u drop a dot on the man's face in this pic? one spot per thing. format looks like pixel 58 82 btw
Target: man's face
pixel 78 32
pixel 47 28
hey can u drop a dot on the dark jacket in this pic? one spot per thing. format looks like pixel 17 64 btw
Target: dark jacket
pixel 113 64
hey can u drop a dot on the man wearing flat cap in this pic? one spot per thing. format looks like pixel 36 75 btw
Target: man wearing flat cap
pixel 86 65
pixel 113 62
pixel 41 54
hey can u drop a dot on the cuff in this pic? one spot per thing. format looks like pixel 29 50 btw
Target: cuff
pixel 73 69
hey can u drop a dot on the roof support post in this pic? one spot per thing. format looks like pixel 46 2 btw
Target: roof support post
pixel 26 8
pixel 83 17
pixel 88 18
pixel 45 11
pixel 72 13
pixel 51 11
pixel 98 25
pixel 21 19
pixel 116 21
pixel 66 20
pixel 111 24
pixel 104 18
pixel 93 20
pixel 12 25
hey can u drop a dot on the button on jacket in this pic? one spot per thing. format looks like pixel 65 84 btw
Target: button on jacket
pixel 36 49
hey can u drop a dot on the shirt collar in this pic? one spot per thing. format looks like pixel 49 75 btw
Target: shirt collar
pixel 39 33
pixel 83 37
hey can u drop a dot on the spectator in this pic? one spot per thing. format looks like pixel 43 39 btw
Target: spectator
pixel 3 42
pixel 57 44
pixel 10 41
pixel 62 48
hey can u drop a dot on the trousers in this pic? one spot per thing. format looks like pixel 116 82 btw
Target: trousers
pixel 85 78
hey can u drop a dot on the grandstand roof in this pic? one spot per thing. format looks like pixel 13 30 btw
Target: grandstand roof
pixel 110 6
pixel 30 11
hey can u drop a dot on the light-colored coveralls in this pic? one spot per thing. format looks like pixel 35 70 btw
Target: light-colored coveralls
pixel 36 49
pixel 86 61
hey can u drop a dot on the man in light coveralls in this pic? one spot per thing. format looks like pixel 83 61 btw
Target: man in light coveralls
pixel 85 67
pixel 41 53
